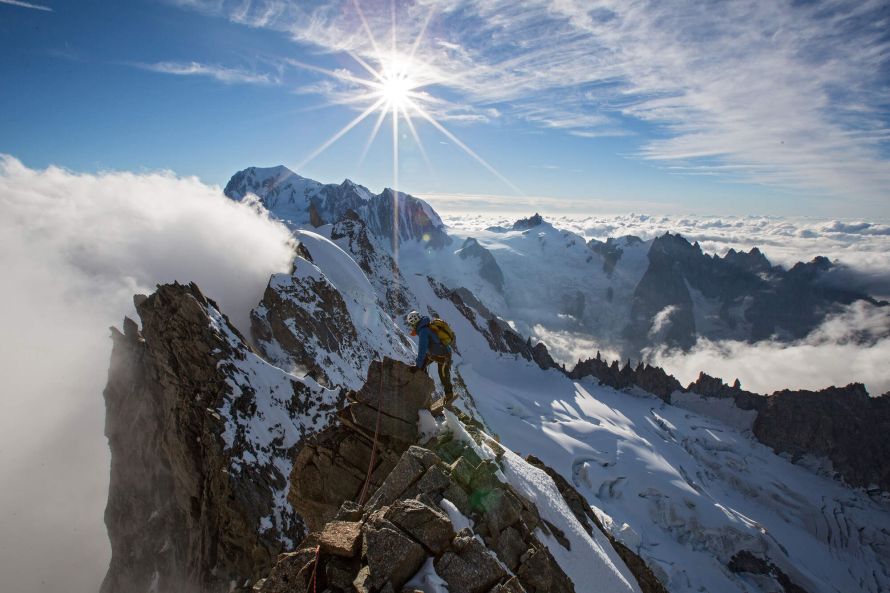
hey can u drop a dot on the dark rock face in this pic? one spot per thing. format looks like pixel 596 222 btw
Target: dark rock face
pixel 662 292
pixel 611 250
pixel 650 378
pixel 186 512
pixel 755 300
pixel 746 562
pixel 523 224
pixel 488 267
pixel 843 424
pixel 416 220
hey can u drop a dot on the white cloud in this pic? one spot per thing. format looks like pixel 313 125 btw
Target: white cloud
pixel 851 347
pixel 220 73
pixel 662 321
pixel 27 5
pixel 568 347
pixel 74 248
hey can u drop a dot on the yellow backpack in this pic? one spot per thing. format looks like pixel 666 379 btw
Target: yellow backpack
pixel 444 331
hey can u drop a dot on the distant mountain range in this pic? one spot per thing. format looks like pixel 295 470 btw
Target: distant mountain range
pixel 627 294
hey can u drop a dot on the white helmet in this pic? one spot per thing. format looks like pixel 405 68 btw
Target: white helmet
pixel 413 318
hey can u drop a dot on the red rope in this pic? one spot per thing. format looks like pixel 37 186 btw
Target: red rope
pixel 314 576
pixel 361 500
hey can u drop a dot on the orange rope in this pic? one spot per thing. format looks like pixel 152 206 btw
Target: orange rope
pixel 364 494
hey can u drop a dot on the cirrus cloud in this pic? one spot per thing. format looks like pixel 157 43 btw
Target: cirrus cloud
pixel 788 94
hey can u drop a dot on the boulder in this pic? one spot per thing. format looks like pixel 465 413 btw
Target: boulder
pixel 430 527
pixel 539 573
pixel 341 538
pixel 331 468
pixel 509 546
pixel 392 556
pixel 470 567
pixel 398 392
pixel 411 466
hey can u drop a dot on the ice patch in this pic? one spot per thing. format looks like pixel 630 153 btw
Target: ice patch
pixel 427 580
pixel 458 520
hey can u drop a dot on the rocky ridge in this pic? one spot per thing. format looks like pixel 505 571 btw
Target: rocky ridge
pixel 438 512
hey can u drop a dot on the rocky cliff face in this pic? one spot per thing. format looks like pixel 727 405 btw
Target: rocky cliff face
pixel 686 293
pixel 842 424
pixel 202 434
pixel 488 267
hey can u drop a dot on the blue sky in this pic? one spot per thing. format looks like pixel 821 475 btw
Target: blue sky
pixel 738 108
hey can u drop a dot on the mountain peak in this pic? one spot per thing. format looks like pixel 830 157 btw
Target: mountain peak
pixel 527 223
pixel 263 181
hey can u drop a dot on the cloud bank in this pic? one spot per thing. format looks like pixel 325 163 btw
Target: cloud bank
pixel 834 354
pixel 74 249
pixel 861 247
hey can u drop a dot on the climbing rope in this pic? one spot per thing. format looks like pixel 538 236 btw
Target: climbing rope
pixel 314 576
pixel 364 493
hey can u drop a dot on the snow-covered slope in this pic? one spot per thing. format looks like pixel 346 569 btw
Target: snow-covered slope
pixel 692 492
pixel 689 492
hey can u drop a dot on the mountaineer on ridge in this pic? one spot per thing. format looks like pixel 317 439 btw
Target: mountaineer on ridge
pixel 434 341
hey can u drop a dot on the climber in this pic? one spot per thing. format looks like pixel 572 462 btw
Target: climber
pixel 434 341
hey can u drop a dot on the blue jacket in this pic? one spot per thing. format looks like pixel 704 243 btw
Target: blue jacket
pixel 428 341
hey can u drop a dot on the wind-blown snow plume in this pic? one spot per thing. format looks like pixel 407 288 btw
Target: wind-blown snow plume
pixel 74 249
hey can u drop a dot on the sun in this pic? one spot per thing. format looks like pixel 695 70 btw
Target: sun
pixel 397 88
